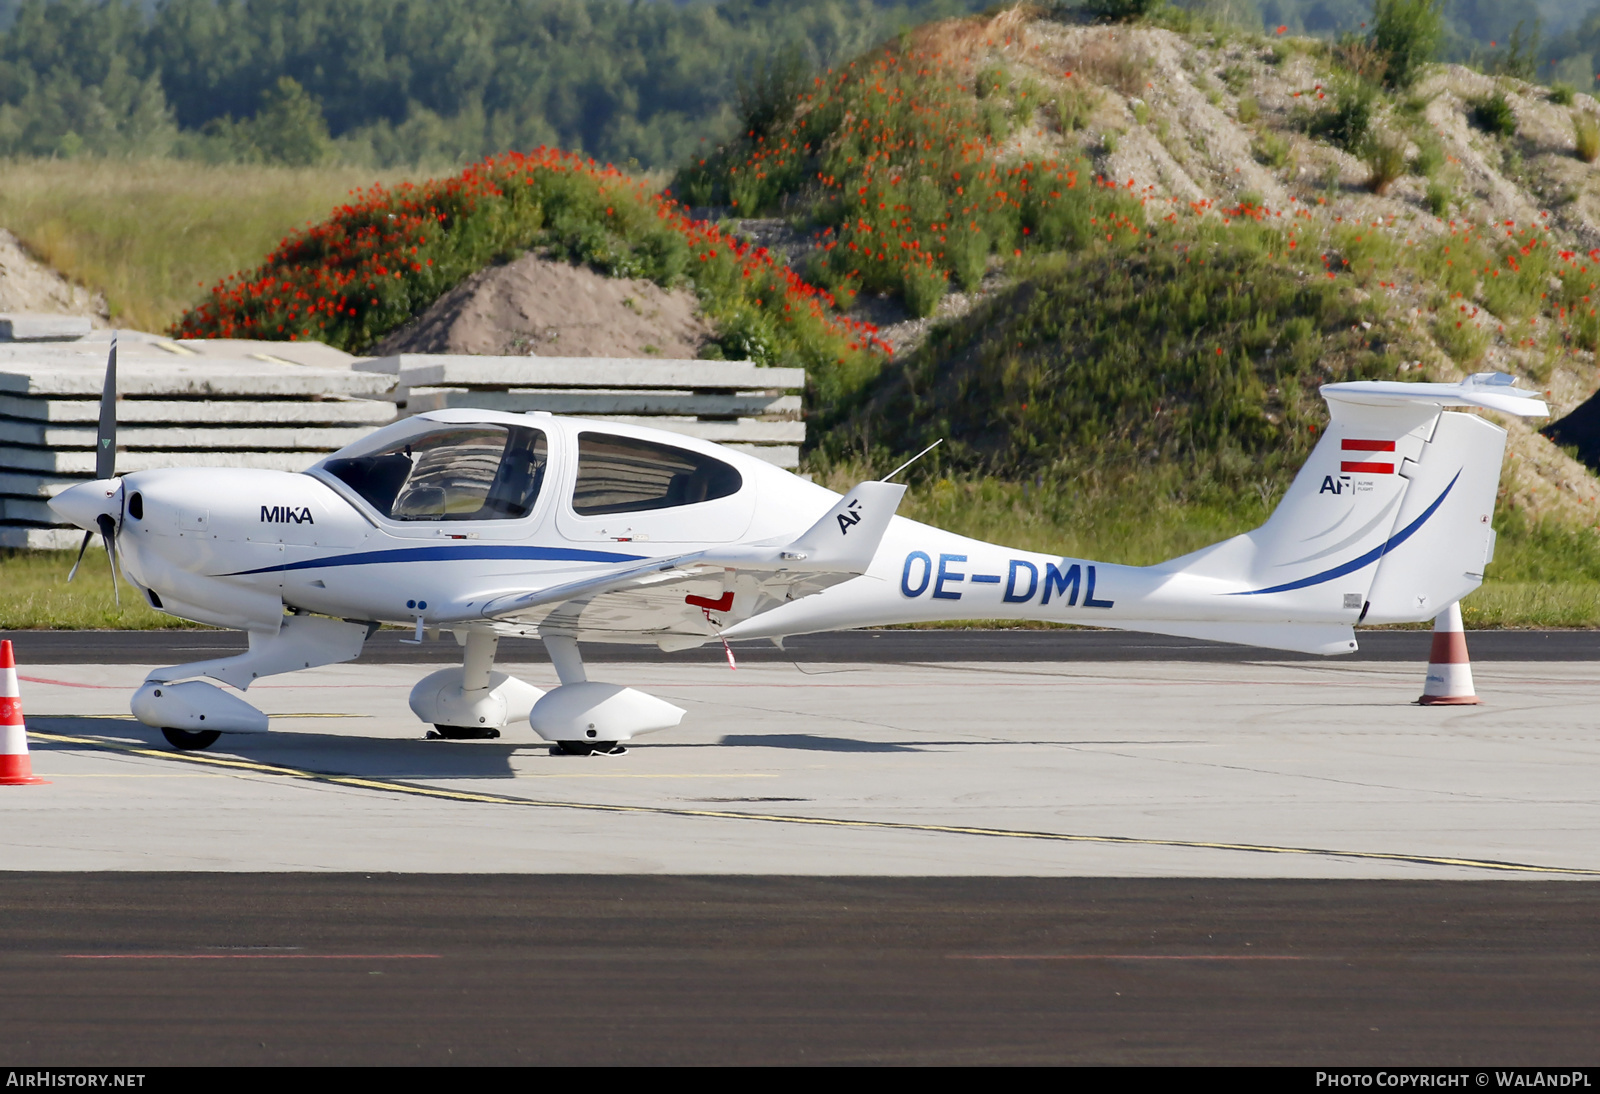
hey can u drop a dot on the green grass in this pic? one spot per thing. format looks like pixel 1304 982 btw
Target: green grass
pixel 34 594
pixel 149 233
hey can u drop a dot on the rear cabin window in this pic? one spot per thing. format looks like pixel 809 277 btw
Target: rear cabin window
pixel 461 473
pixel 626 475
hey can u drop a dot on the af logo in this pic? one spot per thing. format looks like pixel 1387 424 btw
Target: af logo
pixel 1331 485
pixel 849 517
pixel 286 514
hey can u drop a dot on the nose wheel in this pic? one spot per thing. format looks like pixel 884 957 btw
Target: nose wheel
pixel 191 740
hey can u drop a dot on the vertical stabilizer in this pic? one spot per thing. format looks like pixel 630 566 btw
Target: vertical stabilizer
pixel 1389 519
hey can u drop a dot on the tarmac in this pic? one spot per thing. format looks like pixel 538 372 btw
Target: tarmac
pixel 1131 769
pixel 881 847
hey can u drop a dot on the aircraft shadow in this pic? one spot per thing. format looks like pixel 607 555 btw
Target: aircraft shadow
pixel 367 757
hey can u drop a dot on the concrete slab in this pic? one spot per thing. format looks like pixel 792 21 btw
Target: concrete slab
pixel 26 510
pixel 588 403
pixel 40 539
pixel 78 369
pixel 81 462
pixel 204 411
pixel 297 438
pixel 34 327
pixel 1126 769
pixel 463 370
pixel 744 430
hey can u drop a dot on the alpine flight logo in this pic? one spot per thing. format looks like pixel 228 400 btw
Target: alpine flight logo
pixel 850 517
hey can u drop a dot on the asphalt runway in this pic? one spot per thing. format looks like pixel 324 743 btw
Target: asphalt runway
pixel 129 970
pixel 390 647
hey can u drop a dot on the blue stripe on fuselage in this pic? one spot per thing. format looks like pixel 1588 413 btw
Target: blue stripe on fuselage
pixel 1357 563
pixel 449 553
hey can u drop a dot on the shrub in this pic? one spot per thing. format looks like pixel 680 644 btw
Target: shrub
pixel 924 287
pixel 1237 77
pixel 1586 135
pixel 1460 338
pixel 1075 104
pixel 1025 99
pixel 1561 94
pixel 1349 120
pixel 1121 11
pixel 1429 158
pixel 1493 114
pixel 899 165
pixel 1438 198
pixel 387 254
pixel 1249 110
pixel 768 97
pixel 1406 33
pixel 1272 150
pixel 1385 157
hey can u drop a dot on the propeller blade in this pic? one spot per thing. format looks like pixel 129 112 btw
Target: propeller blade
pixel 87 536
pixel 108 536
pixel 105 448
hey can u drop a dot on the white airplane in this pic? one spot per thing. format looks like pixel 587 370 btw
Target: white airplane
pixel 486 524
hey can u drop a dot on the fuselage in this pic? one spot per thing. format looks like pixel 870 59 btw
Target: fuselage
pixel 429 521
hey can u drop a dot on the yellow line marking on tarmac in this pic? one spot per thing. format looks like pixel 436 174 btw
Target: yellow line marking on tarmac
pixel 438 793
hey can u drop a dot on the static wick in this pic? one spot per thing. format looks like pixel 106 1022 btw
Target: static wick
pixel 913 459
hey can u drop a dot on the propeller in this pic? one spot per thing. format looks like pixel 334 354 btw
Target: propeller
pixel 105 467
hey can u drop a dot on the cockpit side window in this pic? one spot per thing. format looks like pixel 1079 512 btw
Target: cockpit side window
pixel 627 475
pixel 480 472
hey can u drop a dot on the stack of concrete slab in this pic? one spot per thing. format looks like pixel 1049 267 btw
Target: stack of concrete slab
pixel 221 403
pixel 734 403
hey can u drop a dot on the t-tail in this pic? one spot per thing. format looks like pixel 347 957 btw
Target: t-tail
pixel 1390 519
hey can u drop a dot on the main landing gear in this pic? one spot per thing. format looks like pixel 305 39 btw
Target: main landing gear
pixel 472 702
pixel 190 741
pixel 585 718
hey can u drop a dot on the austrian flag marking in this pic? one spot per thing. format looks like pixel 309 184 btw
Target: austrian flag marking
pixel 1367 467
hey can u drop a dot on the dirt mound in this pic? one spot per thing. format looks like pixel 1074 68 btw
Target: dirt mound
pixel 541 308
pixel 28 285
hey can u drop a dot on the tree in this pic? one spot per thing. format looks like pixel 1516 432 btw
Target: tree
pixel 288 129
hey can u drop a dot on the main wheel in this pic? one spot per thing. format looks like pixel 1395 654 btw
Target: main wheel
pixel 588 748
pixel 191 740
pixel 466 733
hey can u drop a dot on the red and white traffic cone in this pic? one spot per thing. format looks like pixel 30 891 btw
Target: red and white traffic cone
pixel 1449 680
pixel 15 767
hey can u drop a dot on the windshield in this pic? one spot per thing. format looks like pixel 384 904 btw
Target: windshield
pixel 477 472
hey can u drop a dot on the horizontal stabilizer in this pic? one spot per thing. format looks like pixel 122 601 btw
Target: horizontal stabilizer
pixel 1320 638
pixel 1489 390
pixel 847 538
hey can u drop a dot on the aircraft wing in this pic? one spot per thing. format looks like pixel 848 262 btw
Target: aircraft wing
pixel 684 600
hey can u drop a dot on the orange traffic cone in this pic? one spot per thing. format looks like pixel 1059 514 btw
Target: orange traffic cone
pixel 1449 680
pixel 15 767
